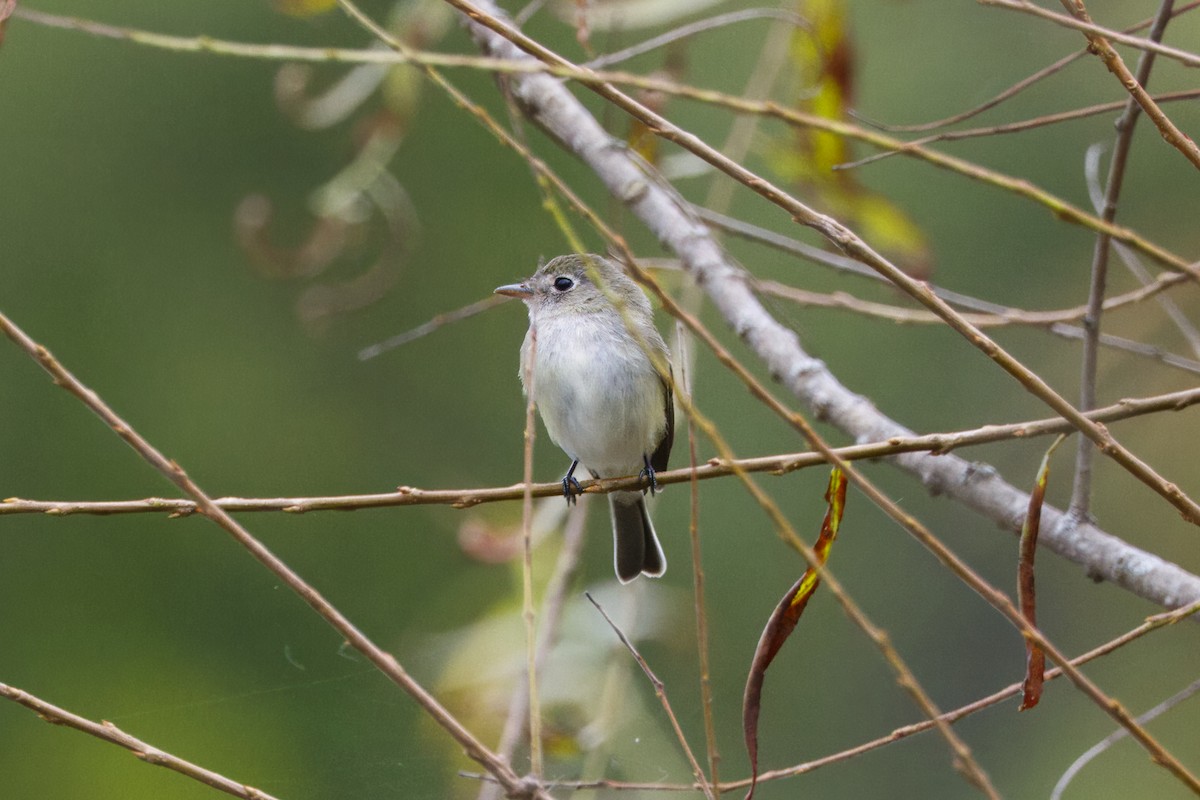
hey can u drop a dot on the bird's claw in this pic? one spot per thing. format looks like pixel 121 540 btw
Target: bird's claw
pixel 647 474
pixel 571 489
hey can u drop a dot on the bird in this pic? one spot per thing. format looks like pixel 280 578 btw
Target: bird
pixel 599 394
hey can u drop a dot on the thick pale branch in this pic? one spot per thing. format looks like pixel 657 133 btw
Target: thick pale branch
pixel 636 184
pixel 636 191
pixel 669 218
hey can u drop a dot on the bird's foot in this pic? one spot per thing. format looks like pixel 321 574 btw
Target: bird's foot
pixel 647 474
pixel 571 489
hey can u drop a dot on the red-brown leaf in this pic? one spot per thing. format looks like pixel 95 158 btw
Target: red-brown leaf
pixel 783 621
pixel 1035 659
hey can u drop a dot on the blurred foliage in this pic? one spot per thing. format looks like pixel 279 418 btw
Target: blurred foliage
pixel 207 241
pixel 823 62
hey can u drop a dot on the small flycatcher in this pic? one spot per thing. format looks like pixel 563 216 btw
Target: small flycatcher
pixel 599 395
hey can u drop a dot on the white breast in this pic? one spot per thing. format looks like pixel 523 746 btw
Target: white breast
pixel 598 394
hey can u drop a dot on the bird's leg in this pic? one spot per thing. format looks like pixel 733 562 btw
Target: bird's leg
pixel 571 487
pixel 648 472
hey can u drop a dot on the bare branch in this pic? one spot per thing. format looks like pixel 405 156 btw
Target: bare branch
pixel 1080 506
pixel 384 661
pixel 1023 125
pixel 692 28
pixel 1017 87
pixel 1098 43
pixel 553 601
pixel 660 692
pixel 1119 734
pixel 1091 29
pixel 809 379
pixel 938 444
pixel 517 66
pixel 1012 690
pixel 108 732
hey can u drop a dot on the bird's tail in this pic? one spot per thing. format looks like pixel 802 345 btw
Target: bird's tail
pixel 636 550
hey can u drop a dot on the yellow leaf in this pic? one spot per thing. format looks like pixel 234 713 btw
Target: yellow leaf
pixel 304 8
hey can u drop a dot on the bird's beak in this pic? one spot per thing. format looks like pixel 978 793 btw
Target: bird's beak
pixel 519 290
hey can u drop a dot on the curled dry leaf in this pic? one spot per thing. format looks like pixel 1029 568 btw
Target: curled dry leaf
pixel 784 618
pixel 1035 659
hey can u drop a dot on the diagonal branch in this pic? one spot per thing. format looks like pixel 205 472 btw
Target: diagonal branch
pixel 639 192
pixel 660 691
pixel 1091 29
pixel 384 661
pixel 1098 43
pixel 146 752
pixel 1150 625
pixel 1082 488
pixel 980 487
pixel 494 34
pixel 1061 208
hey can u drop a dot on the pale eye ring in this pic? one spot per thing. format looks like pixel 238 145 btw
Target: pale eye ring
pixel 562 283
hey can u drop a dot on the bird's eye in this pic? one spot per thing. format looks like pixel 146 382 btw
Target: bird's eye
pixel 562 283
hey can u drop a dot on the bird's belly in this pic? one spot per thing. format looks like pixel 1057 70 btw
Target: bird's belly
pixel 604 411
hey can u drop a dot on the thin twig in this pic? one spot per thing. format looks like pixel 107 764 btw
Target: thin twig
pixel 1151 624
pixel 660 691
pixel 553 601
pixel 528 613
pixel 108 732
pixel 384 661
pixel 937 443
pixel 771 58
pixel 773 54
pixel 426 328
pixel 1020 126
pixel 1058 206
pixel 1013 90
pixel 703 650
pixel 1099 44
pixel 1178 317
pixel 692 28
pixel 1091 29
pixel 847 240
pixel 1118 735
pixel 990 313
pixel 1081 490
pixel 1053 321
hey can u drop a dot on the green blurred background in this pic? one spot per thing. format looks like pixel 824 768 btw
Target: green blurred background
pixel 120 170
